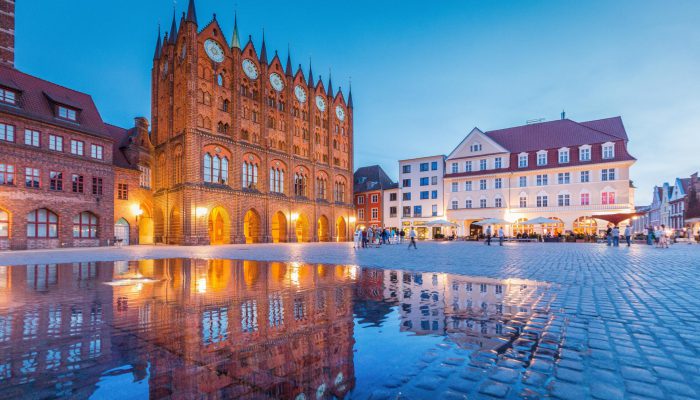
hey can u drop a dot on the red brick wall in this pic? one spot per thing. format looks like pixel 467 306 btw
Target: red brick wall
pixel 7 32
pixel 19 200
pixel 183 120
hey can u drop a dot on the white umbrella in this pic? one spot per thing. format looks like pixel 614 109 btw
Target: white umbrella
pixel 541 221
pixel 492 221
pixel 440 223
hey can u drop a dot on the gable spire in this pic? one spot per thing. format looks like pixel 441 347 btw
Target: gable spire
pixel 263 50
pixel 330 85
pixel 311 75
pixel 173 30
pixel 235 42
pixel 191 13
pixel 156 55
pixel 288 70
pixel 350 96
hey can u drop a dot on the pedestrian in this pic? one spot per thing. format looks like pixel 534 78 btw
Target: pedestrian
pixel 364 238
pixel 663 240
pixel 628 235
pixel 402 233
pixel 370 237
pixel 501 236
pixel 608 235
pixel 392 236
pixel 616 236
pixel 488 235
pixel 357 238
pixel 412 237
pixel 650 235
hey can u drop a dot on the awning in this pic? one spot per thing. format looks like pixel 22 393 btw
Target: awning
pixel 440 223
pixel 615 219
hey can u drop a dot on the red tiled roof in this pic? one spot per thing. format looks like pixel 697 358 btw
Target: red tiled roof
pixel 121 140
pixel 37 97
pixel 554 135
pixel 557 134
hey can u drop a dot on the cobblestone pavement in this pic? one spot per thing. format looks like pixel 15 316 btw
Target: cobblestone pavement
pixel 616 323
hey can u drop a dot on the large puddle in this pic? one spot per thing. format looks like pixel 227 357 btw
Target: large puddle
pixel 244 329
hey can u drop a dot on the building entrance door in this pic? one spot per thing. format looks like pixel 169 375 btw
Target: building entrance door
pixel 121 231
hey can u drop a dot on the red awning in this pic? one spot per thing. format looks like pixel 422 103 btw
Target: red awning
pixel 616 218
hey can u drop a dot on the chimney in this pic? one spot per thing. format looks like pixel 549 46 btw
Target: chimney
pixel 7 33
pixel 563 114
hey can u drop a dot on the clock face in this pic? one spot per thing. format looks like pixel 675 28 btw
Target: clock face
pixel 250 69
pixel 340 113
pixel 276 82
pixel 320 103
pixel 300 93
pixel 214 50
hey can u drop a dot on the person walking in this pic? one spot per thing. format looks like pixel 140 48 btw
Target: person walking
pixel 608 235
pixel 616 236
pixel 364 238
pixel 412 237
pixel 402 233
pixel 628 235
pixel 488 235
pixel 650 235
pixel 357 238
pixel 663 240
pixel 501 236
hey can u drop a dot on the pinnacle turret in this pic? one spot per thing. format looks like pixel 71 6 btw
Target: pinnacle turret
pixel 330 86
pixel 350 96
pixel 173 31
pixel 311 76
pixel 191 13
pixel 288 70
pixel 263 51
pixel 235 42
pixel 156 55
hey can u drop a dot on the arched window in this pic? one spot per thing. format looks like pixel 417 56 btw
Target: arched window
pixel 339 191
pixel 220 79
pixel 220 127
pixel 321 183
pixel 42 223
pixel 85 225
pixel 276 180
pixel 224 170
pixel 215 168
pixel 177 160
pixel 4 224
pixel 250 175
pixel 224 105
pixel 207 167
pixel 300 184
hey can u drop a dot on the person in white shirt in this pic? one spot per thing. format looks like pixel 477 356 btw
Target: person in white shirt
pixel 412 236
pixel 357 238
pixel 501 236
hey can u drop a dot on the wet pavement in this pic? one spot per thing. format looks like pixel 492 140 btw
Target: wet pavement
pixel 576 321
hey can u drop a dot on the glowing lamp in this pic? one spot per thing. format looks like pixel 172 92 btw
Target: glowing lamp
pixel 294 216
pixel 352 219
pixel 201 211
pixel 136 210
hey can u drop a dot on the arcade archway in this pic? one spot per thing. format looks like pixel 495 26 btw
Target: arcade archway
pixel 341 230
pixel 251 226
pixel 303 229
pixel 324 234
pixel 219 226
pixel 279 227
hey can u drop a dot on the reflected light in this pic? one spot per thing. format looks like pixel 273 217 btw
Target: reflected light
pixel 294 274
pixel 294 216
pixel 352 272
pixel 202 285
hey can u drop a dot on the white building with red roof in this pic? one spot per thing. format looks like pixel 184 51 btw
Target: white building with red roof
pixel 562 170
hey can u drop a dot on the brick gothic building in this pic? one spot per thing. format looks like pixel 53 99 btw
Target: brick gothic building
pixel 263 155
pixel 246 148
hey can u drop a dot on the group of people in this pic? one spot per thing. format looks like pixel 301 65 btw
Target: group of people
pixel 501 236
pixel 375 237
pixel 612 236
pixel 658 236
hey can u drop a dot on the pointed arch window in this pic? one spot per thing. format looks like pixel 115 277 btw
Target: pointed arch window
pixel 207 167
pixel 250 175
pixel 215 169
pixel 276 180
pixel 220 79
pixel 300 184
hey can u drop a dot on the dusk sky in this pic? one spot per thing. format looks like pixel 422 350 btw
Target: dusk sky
pixel 423 73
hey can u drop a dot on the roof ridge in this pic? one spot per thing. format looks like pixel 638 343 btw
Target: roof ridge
pixel 593 129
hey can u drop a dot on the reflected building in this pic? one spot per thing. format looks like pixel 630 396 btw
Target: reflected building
pixel 191 328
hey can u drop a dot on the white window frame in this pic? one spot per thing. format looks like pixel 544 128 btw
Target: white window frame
pixel 522 160
pixel 564 156
pixel 584 150
pixel 541 158
pixel 608 147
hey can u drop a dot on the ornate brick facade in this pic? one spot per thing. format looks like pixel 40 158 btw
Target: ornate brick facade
pixel 257 156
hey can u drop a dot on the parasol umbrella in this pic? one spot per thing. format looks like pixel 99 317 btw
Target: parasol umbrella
pixel 492 221
pixel 541 221
pixel 440 223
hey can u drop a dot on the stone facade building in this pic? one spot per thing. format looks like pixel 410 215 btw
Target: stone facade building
pixel 246 149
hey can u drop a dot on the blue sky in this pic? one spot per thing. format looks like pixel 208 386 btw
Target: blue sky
pixel 422 74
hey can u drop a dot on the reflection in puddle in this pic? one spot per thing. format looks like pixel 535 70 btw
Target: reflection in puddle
pixel 244 329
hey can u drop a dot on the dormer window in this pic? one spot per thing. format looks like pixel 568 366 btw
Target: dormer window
pixel 522 160
pixel 542 157
pixel 608 151
pixel 475 147
pixel 584 153
pixel 67 113
pixel 563 156
pixel 8 96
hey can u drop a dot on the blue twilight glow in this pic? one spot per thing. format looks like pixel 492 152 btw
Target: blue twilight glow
pixel 423 74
